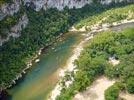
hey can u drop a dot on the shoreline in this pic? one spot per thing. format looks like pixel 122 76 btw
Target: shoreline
pixel 33 59
pixel 70 67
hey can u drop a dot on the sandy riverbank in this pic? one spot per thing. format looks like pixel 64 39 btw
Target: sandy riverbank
pixel 70 67
pixel 99 26
pixel 96 90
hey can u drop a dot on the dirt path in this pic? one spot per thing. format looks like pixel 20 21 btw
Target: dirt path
pixel 96 90
pixel 126 96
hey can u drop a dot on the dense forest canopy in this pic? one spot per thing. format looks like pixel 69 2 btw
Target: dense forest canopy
pixel 42 30
pixel 94 61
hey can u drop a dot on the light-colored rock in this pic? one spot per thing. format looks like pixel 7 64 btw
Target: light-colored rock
pixel 68 83
pixel 9 8
pixel 13 7
pixel 113 61
pixel 37 60
pixel 23 21
pixel 116 1
pixel 16 29
pixel 59 4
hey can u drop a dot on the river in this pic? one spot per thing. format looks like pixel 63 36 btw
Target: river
pixel 43 76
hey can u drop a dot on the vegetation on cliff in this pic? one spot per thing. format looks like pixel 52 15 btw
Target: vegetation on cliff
pixel 42 31
pixel 106 15
pixel 8 22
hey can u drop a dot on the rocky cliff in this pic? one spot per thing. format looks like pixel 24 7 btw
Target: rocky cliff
pixel 60 4
pixel 9 9
pixel 13 7
pixel 15 30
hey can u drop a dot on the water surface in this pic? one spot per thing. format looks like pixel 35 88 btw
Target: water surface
pixel 42 77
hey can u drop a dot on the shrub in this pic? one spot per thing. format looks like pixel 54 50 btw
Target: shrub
pixel 130 85
pixel 112 92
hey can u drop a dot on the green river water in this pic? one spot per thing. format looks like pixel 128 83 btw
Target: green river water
pixel 42 77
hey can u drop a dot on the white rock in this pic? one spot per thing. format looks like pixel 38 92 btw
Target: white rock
pixel 37 60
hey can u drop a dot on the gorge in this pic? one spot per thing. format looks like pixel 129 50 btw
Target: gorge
pixel 28 25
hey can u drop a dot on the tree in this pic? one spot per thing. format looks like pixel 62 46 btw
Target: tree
pixel 130 85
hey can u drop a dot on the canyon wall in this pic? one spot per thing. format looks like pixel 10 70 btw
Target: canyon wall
pixel 13 7
pixel 9 9
pixel 60 4
pixel 15 30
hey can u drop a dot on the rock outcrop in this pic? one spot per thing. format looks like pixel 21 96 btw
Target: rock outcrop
pixel 9 8
pixel 15 31
pixel 14 6
pixel 59 4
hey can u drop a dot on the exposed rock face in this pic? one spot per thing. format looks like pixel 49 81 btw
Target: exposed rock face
pixel 14 7
pixel 16 29
pixel 23 21
pixel 116 1
pixel 59 4
pixel 9 8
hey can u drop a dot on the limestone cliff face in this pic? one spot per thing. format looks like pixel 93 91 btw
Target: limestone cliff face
pixel 15 31
pixel 15 5
pixel 59 4
pixel 9 8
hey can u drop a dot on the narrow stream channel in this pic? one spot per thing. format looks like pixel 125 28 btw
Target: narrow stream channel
pixel 42 77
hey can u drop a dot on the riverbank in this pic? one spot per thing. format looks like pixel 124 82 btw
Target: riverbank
pixel 44 73
pixel 29 63
pixel 99 26
pixel 63 71
pixel 70 68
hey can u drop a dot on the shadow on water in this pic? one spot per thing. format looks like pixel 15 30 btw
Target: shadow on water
pixel 5 96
